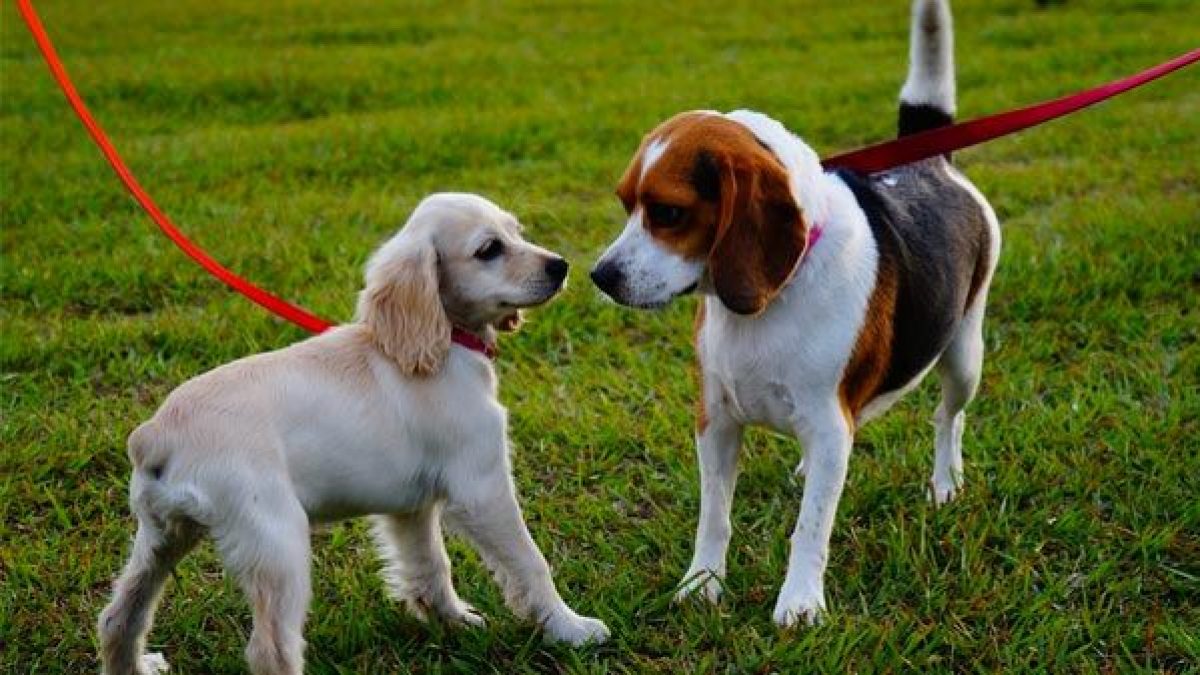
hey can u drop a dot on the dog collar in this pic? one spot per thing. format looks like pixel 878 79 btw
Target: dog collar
pixel 814 235
pixel 466 338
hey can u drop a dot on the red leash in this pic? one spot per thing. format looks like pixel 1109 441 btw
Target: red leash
pixel 271 303
pixel 926 144
pixel 867 160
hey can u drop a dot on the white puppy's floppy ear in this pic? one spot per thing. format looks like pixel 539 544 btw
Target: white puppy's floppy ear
pixel 403 309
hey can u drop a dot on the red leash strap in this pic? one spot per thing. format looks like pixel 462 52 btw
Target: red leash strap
pixel 271 303
pixel 867 160
pixel 926 144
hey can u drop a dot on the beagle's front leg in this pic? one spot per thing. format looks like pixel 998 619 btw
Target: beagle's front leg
pixel 718 442
pixel 826 436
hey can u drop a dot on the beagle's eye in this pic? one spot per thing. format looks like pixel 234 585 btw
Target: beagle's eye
pixel 490 250
pixel 665 215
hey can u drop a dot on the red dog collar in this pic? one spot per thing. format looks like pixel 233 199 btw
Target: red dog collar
pixel 466 338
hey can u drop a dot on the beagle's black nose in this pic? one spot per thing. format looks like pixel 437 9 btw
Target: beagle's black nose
pixel 557 268
pixel 608 277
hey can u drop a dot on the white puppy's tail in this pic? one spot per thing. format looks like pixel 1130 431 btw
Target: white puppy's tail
pixel 151 489
pixel 927 98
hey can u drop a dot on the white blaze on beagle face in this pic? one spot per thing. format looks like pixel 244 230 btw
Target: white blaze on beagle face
pixel 708 206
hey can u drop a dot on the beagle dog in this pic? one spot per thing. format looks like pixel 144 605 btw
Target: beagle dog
pixel 826 296
pixel 394 415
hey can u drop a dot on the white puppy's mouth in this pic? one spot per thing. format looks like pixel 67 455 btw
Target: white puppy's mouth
pixel 540 296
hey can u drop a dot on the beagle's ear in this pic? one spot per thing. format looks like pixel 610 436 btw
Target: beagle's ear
pixel 403 309
pixel 761 233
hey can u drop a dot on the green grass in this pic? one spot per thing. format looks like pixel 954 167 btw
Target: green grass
pixel 291 139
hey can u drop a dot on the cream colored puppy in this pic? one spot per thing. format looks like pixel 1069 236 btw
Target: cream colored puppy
pixel 395 414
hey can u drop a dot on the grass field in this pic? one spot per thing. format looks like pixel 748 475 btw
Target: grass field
pixel 292 138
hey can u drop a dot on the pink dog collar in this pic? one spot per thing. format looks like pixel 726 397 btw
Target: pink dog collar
pixel 814 235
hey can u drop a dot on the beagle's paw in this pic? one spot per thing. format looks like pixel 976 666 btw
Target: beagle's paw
pixel 799 606
pixel 944 489
pixel 700 585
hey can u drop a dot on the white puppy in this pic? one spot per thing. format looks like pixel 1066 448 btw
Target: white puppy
pixel 395 414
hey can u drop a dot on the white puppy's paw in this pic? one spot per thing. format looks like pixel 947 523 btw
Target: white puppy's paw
pixel 702 585
pixel 799 606
pixel 451 611
pixel 153 663
pixel 567 626
pixel 463 614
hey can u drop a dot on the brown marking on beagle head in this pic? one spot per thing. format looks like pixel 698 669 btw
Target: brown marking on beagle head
pixel 708 191
pixel 872 355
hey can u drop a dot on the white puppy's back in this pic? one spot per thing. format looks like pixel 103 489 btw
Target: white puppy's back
pixel 329 412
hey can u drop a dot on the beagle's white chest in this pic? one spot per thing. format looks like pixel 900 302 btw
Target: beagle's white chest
pixel 754 389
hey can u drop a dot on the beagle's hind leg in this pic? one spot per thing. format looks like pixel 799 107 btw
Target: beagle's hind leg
pixel 959 370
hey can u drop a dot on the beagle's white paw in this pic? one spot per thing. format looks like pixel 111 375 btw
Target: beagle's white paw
pixel 701 585
pixel 944 489
pixel 799 606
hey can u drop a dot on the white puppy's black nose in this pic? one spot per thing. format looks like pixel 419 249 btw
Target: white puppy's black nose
pixel 556 269
pixel 608 277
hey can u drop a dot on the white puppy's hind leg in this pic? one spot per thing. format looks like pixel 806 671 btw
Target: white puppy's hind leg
pixel 827 443
pixel 487 512
pixel 717 450
pixel 126 620
pixel 266 547
pixel 417 569
pixel 959 370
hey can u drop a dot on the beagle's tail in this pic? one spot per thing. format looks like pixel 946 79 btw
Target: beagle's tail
pixel 927 98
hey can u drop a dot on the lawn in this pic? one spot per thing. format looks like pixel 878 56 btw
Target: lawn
pixel 292 138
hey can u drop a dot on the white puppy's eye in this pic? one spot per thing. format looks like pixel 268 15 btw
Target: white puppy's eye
pixel 490 250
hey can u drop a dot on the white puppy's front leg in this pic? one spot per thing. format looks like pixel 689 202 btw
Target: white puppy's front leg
pixel 717 446
pixel 417 569
pixel 826 438
pixel 488 514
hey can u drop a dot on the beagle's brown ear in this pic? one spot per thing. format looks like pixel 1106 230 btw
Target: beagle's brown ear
pixel 761 233
pixel 403 309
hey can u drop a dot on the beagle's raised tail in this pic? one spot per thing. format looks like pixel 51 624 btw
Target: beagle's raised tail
pixel 927 98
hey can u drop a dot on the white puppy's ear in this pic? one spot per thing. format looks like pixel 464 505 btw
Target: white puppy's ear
pixel 402 307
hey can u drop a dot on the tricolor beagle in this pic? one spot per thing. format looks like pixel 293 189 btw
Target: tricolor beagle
pixel 827 295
